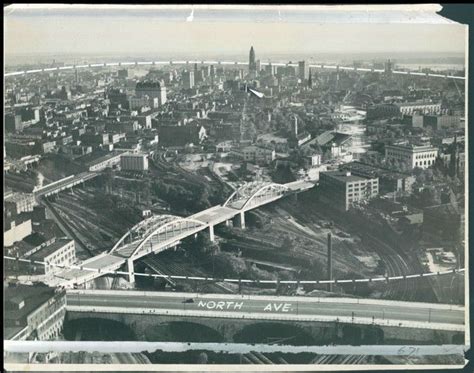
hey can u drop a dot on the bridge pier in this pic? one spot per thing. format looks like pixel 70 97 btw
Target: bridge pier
pixel 212 237
pixel 241 220
pixel 131 273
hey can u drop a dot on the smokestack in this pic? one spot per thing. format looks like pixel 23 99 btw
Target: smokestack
pixel 329 270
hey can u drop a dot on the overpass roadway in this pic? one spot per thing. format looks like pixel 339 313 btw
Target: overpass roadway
pixel 344 310
pixel 62 184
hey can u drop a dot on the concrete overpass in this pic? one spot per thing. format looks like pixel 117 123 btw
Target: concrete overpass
pixel 294 309
pixel 63 184
pixel 161 232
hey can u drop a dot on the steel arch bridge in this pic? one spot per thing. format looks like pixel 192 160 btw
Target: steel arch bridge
pixel 254 194
pixel 155 234
pixel 161 232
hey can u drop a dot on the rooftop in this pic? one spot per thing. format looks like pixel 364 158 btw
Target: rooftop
pixel 333 137
pixel 33 296
pixel 371 170
pixel 412 147
pixel 49 249
pixel 343 176
pixel 17 196
pixel 98 157
pixel 147 84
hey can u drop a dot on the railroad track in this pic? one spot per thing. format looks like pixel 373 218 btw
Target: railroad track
pixel 68 230
pixel 395 263
pixel 76 210
pixel 166 267
pixel 396 266
pixel 83 228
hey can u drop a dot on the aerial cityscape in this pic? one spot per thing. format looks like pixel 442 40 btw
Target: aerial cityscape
pixel 246 202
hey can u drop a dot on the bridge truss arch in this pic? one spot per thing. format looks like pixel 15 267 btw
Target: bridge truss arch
pixel 155 231
pixel 254 194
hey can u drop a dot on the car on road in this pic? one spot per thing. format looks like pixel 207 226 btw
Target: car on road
pixel 189 300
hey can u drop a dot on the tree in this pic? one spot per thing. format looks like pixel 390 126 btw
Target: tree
pixel 202 358
pixel 430 197
pixel 205 245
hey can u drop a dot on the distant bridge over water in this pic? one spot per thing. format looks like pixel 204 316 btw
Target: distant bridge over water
pixel 231 63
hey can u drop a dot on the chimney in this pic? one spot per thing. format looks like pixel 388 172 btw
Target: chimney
pixel 329 263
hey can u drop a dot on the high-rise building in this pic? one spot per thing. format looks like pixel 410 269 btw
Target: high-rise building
pixel 310 80
pixel 270 69
pixel 212 74
pixel 198 74
pixel 303 70
pixel 342 190
pixel 188 79
pixel 388 67
pixel 152 89
pixel 252 63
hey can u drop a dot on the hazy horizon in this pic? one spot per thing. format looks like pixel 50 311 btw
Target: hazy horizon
pixel 43 32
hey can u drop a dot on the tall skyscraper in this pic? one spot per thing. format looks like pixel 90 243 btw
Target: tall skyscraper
pixel 310 80
pixel 388 67
pixel 270 69
pixel 188 79
pixel 212 74
pixel 252 63
pixel 198 74
pixel 303 70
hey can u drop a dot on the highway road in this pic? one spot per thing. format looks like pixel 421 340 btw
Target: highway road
pixel 328 307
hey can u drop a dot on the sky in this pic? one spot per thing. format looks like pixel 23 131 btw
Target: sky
pixel 167 33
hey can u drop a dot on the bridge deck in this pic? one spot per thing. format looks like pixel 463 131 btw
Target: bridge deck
pixel 215 215
pixel 362 311
pixel 103 262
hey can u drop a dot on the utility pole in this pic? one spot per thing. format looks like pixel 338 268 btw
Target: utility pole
pixel 329 263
